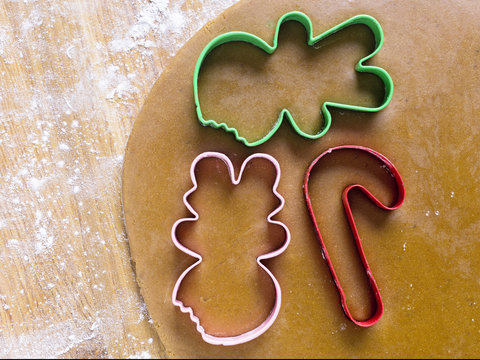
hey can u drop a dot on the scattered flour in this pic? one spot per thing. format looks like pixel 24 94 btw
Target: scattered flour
pixel 170 25
pixel 47 175
pixel 47 342
pixel 142 355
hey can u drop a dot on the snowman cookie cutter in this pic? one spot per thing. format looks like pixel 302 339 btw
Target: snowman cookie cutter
pixel 267 323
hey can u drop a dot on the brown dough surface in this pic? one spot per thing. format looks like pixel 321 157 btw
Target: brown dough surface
pixel 425 256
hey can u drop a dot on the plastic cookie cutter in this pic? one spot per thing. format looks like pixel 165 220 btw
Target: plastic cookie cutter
pixel 252 334
pixel 390 168
pixel 300 17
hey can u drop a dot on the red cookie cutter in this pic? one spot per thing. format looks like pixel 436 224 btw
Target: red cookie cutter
pixel 397 203
pixel 252 334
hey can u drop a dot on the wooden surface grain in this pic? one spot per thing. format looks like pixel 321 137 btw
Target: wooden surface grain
pixel 73 77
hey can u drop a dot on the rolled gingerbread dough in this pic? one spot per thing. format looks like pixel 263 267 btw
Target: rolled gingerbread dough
pixel 425 256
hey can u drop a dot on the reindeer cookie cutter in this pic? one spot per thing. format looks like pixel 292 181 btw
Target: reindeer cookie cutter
pixel 303 19
pixel 265 325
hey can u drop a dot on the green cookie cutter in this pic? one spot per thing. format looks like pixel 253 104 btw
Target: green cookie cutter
pixel 300 17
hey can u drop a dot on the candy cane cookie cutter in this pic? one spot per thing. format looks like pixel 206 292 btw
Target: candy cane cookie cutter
pixel 254 333
pixel 303 19
pixel 390 168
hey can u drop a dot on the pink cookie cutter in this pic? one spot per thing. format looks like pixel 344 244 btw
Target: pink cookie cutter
pixel 252 334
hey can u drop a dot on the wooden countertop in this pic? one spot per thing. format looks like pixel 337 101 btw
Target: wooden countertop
pixel 74 75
